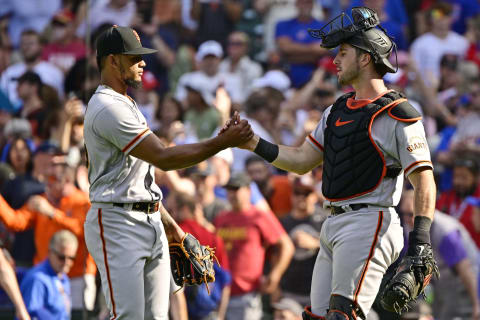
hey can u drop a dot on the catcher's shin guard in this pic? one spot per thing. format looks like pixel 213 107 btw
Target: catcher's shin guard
pixel 342 308
pixel 307 314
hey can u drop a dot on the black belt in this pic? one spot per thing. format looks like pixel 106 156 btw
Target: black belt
pixel 353 207
pixel 147 207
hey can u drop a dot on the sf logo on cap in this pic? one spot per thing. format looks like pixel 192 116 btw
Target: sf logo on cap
pixel 136 35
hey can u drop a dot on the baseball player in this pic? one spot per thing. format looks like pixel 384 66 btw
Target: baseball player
pixel 367 141
pixel 127 227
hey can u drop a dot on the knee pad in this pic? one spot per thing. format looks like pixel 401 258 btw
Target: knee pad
pixel 342 308
pixel 308 315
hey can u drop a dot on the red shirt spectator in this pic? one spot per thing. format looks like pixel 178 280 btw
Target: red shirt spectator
pixel 246 234
pixel 65 48
pixel 449 202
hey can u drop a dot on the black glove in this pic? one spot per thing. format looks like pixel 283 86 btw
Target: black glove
pixel 413 273
pixel 191 263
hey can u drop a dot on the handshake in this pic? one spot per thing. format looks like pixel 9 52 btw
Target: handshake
pixel 238 133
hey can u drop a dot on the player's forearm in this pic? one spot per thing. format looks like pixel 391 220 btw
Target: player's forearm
pixel 172 230
pixel 294 159
pixel 187 155
pixel 425 192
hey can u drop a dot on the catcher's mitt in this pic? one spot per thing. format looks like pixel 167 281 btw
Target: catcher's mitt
pixel 192 263
pixel 411 277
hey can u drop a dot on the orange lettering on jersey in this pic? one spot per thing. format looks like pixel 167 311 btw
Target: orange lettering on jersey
pixel 415 146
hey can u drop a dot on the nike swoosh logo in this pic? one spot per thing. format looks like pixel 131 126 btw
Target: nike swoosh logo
pixel 340 123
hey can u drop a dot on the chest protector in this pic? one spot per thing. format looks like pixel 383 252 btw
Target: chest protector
pixel 353 164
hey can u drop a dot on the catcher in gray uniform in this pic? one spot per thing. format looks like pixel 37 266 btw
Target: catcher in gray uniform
pixel 368 140
pixel 127 227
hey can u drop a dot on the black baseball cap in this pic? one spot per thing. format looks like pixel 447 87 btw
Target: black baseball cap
pixel 30 77
pixel 120 40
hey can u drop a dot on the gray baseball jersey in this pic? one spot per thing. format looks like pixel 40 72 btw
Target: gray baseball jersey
pixel 113 127
pixel 352 263
pixel 402 144
pixel 130 247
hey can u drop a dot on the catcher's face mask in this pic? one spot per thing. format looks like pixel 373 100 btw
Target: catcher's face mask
pixel 363 32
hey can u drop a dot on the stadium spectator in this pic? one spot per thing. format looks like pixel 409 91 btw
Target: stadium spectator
pixel 201 117
pixel 168 119
pixel 299 49
pixel 165 41
pixel 28 15
pixel 201 304
pixel 31 51
pixel 30 90
pixel 19 156
pixel 64 48
pixel 215 19
pixel 453 201
pixel 277 189
pixel 259 115
pixel 119 12
pixel 456 294
pixel 287 309
pixel 466 138
pixel 16 193
pixel 62 207
pixel 428 49
pixel 205 181
pixel 303 225
pixel 248 233
pixel 208 58
pixel 238 62
pixel 46 287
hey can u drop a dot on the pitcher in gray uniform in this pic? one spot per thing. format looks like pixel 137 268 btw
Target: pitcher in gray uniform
pixel 127 227
pixel 368 140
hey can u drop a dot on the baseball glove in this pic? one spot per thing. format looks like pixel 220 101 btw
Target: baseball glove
pixel 411 277
pixel 192 263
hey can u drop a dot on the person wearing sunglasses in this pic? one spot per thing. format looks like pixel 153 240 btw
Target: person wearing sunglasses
pixel 46 287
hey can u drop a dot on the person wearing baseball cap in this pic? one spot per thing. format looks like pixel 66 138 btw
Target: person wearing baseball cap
pixel 127 227
pixel 122 45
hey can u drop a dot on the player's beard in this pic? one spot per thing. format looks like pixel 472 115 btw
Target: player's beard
pixel 132 83
pixel 349 75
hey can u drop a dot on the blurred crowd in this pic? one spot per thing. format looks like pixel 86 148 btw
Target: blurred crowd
pixel 215 57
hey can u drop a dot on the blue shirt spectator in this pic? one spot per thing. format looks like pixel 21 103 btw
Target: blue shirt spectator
pixel 462 11
pixel 297 32
pixel 46 287
pixel 46 295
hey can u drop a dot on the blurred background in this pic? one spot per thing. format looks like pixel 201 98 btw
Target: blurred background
pixel 216 57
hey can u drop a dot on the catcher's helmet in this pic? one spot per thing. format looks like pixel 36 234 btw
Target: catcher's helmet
pixel 364 32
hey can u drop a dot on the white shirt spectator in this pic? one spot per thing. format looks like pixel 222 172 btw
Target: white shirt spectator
pixel 231 82
pixel 428 49
pixel 247 70
pixel 102 12
pixel 49 74
pixel 28 14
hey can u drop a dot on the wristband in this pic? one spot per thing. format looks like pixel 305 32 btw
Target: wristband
pixel 420 233
pixel 267 150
